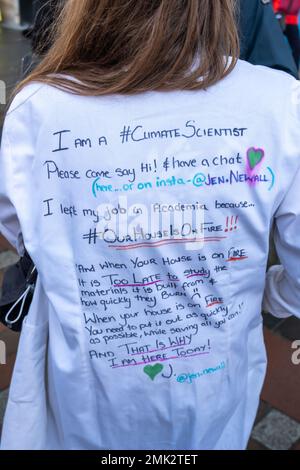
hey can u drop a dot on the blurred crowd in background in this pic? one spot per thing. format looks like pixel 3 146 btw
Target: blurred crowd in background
pixel 287 13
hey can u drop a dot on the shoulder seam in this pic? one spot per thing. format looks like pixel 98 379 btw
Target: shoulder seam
pixel 11 110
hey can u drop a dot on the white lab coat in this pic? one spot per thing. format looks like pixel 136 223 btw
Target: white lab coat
pixel 148 219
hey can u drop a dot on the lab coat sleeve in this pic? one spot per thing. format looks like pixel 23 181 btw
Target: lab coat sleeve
pixel 9 223
pixel 17 155
pixel 17 160
pixel 282 292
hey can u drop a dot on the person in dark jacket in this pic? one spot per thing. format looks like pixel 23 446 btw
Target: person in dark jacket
pixel 45 13
pixel 262 40
pixel 289 11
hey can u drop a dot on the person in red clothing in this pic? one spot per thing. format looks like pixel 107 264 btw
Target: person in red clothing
pixel 290 10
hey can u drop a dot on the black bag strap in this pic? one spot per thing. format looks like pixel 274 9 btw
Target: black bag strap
pixel 17 292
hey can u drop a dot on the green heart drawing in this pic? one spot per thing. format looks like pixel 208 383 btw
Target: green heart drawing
pixel 255 156
pixel 153 371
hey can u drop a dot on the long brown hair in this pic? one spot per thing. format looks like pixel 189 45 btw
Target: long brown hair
pixel 132 46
